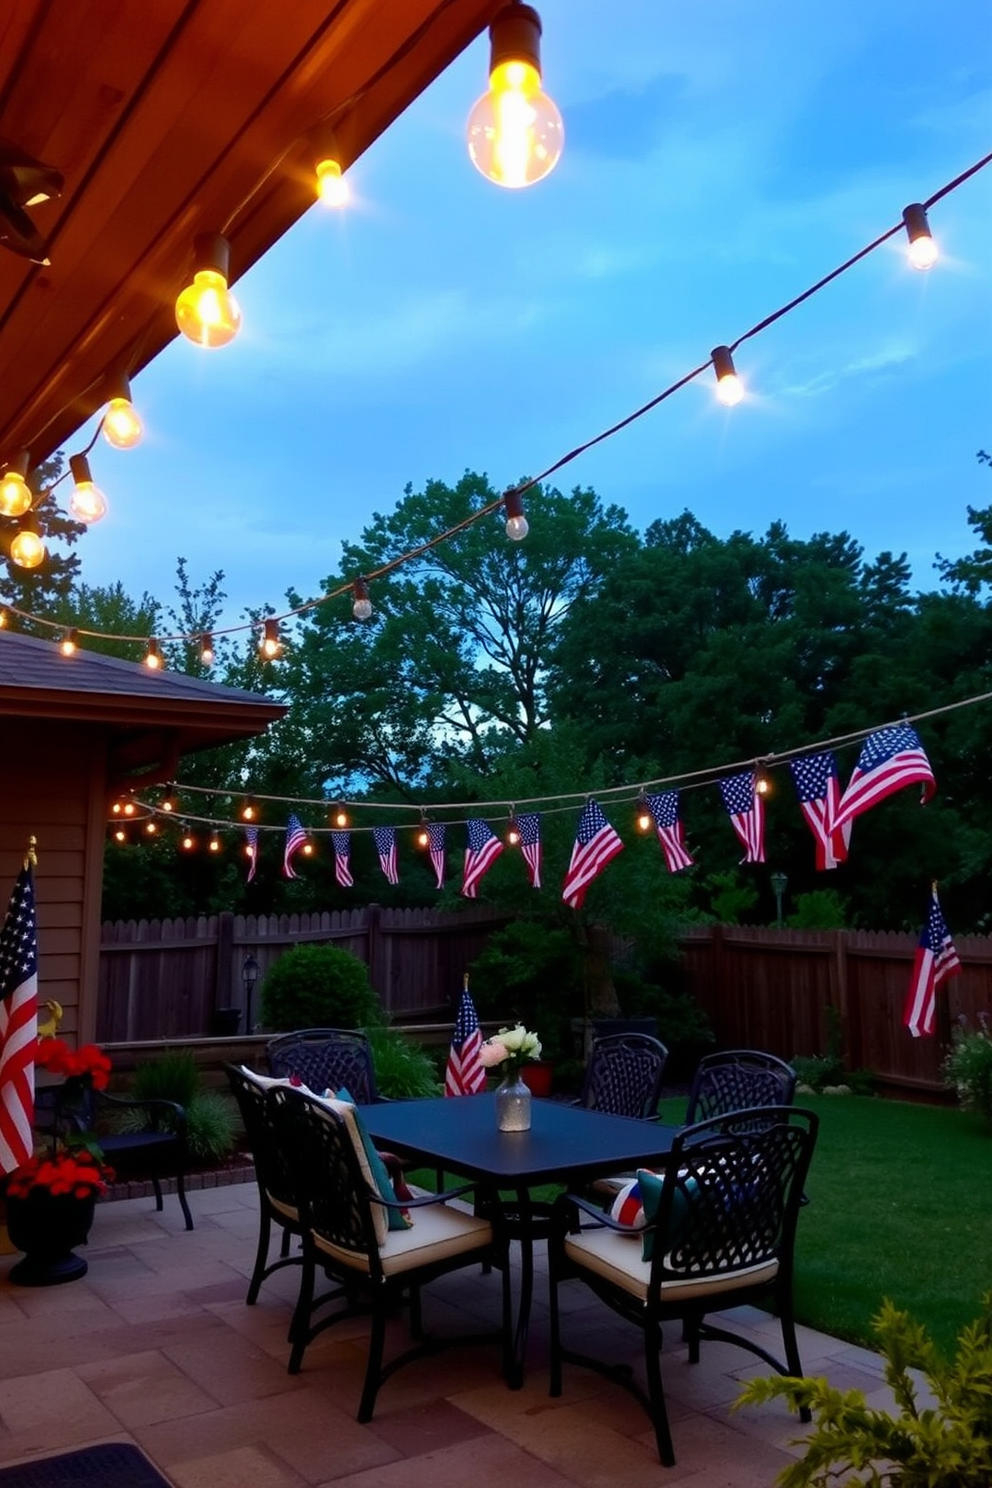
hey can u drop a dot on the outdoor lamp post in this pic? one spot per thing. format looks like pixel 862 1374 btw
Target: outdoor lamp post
pixel 778 882
pixel 249 975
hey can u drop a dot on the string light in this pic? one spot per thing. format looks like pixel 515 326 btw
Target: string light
pixel 168 801
pixel 362 607
pixel 644 819
pixel 87 503
pixel 423 835
pixel 762 784
pixel 187 841
pixel 332 188
pixel 339 817
pixel 206 647
pixel 15 493
pixel 153 656
pixel 513 831
pixel 922 248
pixel 515 132
pixel 121 425
pixel 120 835
pixel 27 549
pixel 128 808
pixel 270 645
pixel 214 843
pixel 517 526
pixel 206 311
pixel 307 849
pixel 4 617
pixel 69 643
pixel 249 811
pixel 729 388
pixel 151 827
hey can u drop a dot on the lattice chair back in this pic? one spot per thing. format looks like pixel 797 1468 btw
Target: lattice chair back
pixel 334 1182
pixel 326 1059
pixel 736 1080
pixel 624 1075
pixel 272 1171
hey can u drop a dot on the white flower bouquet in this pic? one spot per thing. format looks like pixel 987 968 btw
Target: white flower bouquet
pixel 510 1048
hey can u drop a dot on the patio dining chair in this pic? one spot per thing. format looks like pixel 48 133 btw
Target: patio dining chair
pixel 718 1231
pixel 277 1203
pixel 326 1059
pixel 734 1079
pixel 624 1075
pixel 375 1249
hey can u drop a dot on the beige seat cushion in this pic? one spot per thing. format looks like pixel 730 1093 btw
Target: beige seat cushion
pixel 441 1230
pixel 617 1258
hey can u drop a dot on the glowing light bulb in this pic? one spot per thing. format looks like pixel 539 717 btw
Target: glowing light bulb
pixel 87 502
pixel 214 844
pixel 517 526
pixel 27 549
pixel 188 842
pixel 153 656
pixel 643 816
pixel 515 132
pixel 762 785
pixel 340 817
pixel 922 248
pixel 332 188
pixel 513 835
pixel 423 837
pixel 68 643
pixel 151 827
pixel 168 801
pixel 122 426
pixel 15 493
pixel 362 606
pixel 120 835
pixel 206 311
pixel 116 808
pixel 270 645
pixel 129 808
pixel 248 811
pixel 729 388
pixel 307 849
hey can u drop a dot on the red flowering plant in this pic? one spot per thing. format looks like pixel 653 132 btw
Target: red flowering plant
pixel 73 1162
pixel 77 1173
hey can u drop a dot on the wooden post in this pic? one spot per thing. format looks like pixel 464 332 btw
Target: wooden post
pixel 224 982
pixel 374 954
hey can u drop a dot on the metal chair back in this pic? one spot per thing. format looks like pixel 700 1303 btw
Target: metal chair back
pixel 735 1080
pixel 624 1075
pixel 326 1059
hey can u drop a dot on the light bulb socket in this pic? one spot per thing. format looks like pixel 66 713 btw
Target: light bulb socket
pixel 117 385
pixel 79 468
pixel 515 36
pixel 212 251
pixel 915 219
pixel 18 464
pixel 723 362
pixel 269 644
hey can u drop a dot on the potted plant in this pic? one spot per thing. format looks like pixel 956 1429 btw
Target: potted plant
pixel 945 1445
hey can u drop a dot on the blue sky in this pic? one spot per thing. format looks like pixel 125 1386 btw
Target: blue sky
pixel 719 158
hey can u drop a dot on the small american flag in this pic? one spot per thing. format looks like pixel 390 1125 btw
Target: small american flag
pixel 889 759
pixel 596 843
pixel 529 830
pixel 18 1023
pixel 464 1074
pixel 342 851
pixel 481 851
pixel 251 851
pixel 819 795
pixel 435 842
pixel 936 960
pixel 664 810
pixel 295 838
pixel 385 845
pixel 746 808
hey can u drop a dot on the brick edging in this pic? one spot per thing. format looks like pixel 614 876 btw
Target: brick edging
pixel 142 1188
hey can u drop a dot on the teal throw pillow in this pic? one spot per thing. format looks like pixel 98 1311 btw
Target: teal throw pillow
pixel 651 1185
pixel 395 1218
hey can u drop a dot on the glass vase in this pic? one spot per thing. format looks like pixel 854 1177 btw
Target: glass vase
pixel 513 1104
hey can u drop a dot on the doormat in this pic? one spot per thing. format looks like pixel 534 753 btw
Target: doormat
pixel 113 1465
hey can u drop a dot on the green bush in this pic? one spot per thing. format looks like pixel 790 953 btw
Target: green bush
pixel 211 1124
pixel 968 1067
pixel 403 1070
pixel 530 972
pixel 821 909
pixel 319 986
pixel 173 1076
pixel 945 1445
pixel 821 1072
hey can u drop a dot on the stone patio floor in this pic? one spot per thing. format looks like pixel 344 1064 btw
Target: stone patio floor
pixel 156 1346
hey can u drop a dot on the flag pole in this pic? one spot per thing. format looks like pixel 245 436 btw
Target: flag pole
pixel 31 857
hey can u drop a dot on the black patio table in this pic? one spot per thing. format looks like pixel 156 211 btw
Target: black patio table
pixel 565 1144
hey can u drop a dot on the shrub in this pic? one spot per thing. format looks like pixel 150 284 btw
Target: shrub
pixel 948 1445
pixel 821 909
pixel 530 972
pixel 172 1076
pixel 968 1067
pixel 211 1125
pixel 403 1069
pixel 319 986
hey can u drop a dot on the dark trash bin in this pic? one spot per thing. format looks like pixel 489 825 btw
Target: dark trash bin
pixel 225 1022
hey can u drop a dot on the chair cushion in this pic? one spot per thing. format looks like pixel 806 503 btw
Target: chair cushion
pixel 266 1082
pixel 442 1230
pixel 651 1185
pixel 396 1219
pixel 611 1255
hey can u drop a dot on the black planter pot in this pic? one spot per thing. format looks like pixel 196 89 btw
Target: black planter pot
pixel 47 1227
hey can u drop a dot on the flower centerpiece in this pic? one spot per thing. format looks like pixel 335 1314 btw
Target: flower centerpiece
pixel 508 1050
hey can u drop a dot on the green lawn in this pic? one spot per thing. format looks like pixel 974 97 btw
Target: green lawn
pixel 900 1207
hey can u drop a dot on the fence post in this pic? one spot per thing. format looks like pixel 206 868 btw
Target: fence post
pixel 224 980
pixel 374 950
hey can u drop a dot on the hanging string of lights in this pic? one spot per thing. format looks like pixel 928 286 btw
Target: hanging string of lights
pixel 168 806
pixel 922 253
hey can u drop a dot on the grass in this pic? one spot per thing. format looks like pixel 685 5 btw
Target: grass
pixel 900 1207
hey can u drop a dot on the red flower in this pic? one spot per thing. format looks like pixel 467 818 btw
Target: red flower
pixel 89 1061
pixel 76 1173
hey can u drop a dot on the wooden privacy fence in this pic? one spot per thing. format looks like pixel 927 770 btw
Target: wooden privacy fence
pixel 168 979
pixel 770 989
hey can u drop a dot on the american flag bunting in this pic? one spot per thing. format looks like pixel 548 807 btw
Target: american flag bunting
pixel 664 812
pixel 385 845
pixel 529 830
pixel 889 759
pixel 295 838
pixel 435 843
pixel 746 808
pixel 936 960
pixel 341 842
pixel 818 789
pixel 251 851
pixel 596 844
pixel 481 851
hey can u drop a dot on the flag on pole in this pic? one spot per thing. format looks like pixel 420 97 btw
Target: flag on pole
pixel 251 851
pixel 596 843
pixel 465 1074
pixel 295 838
pixel 385 845
pixel 819 796
pixel 936 960
pixel 889 759
pixel 435 841
pixel 664 812
pixel 481 851
pixel 18 1023
pixel 529 831
pixel 342 852
pixel 746 808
